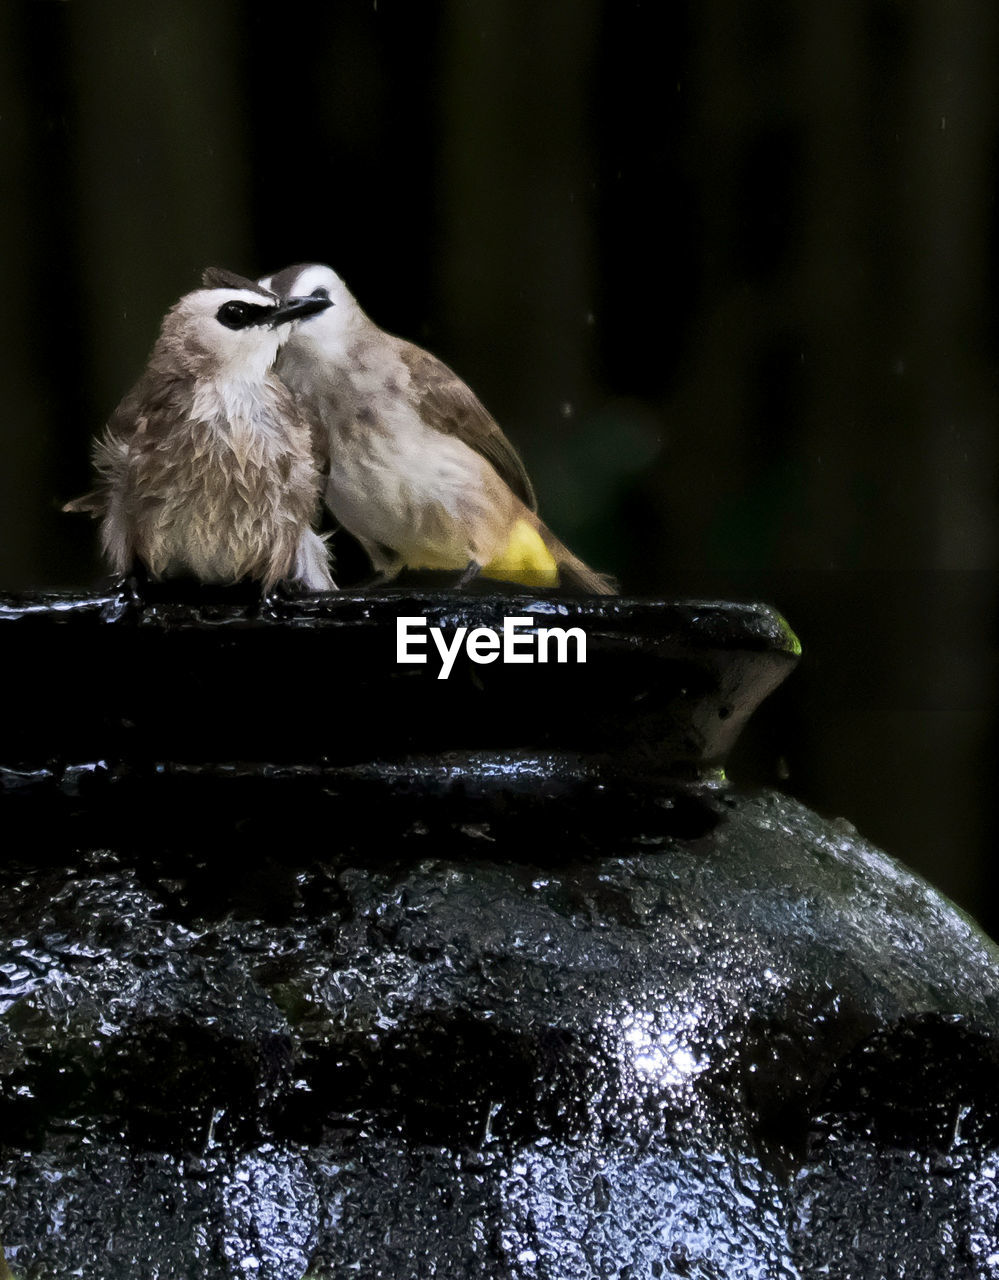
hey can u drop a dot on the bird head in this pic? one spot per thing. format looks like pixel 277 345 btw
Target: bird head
pixel 321 284
pixel 231 326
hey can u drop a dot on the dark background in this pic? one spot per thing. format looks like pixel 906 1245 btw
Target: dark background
pixel 725 270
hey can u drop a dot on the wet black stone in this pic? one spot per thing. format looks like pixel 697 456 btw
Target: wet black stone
pixel 512 991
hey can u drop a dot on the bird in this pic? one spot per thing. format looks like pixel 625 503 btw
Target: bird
pixel 419 471
pixel 207 468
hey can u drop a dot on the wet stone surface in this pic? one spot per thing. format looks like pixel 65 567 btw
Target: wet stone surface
pixel 481 1011
pixel 761 1051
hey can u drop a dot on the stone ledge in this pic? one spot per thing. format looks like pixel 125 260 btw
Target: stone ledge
pixel 666 686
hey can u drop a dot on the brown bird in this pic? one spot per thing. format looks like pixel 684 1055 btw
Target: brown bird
pixel 420 473
pixel 207 467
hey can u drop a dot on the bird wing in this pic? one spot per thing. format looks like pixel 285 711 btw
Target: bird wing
pixel 445 403
pixel 146 414
pixel 109 451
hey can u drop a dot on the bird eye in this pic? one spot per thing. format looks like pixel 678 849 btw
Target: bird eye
pixel 234 315
pixel 319 293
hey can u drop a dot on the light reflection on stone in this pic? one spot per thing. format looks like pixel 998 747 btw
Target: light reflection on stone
pixel 660 1044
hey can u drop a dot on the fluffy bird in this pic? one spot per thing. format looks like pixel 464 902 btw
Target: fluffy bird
pixel 207 467
pixel 419 472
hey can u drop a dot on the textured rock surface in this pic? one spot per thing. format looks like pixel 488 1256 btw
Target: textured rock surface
pixel 491 1015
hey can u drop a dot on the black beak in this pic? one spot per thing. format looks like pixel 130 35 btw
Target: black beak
pixel 297 309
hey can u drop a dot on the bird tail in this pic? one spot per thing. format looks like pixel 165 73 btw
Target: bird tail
pixel 534 557
pixel 572 572
pixel 91 504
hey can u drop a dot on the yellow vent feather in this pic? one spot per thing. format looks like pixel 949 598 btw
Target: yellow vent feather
pixel 525 559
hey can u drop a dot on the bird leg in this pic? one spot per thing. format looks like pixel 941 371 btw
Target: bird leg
pixel 133 587
pixel 470 572
pixel 381 579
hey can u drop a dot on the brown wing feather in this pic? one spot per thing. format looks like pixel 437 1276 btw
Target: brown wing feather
pixel 149 408
pixel 448 405
pixel 107 451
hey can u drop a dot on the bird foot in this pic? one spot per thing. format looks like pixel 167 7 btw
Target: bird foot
pixel 130 595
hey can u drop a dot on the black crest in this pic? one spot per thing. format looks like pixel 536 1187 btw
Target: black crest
pixel 282 281
pixel 220 278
